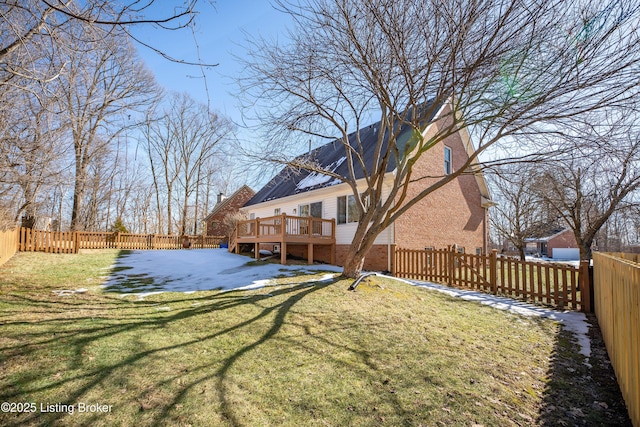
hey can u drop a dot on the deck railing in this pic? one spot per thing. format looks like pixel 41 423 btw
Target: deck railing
pixel 282 226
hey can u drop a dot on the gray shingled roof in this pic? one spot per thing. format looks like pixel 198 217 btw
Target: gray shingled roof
pixel 544 232
pixel 330 156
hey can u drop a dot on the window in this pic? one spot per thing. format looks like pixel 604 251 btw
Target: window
pixel 277 211
pixel 348 209
pixel 311 209
pixel 252 215
pixel 447 161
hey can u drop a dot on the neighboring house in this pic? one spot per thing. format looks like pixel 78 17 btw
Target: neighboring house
pixel 225 206
pixel 455 214
pixel 553 241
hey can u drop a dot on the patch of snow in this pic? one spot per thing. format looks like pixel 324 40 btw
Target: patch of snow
pixel 572 321
pixel 312 180
pixel 69 292
pixel 318 178
pixel 265 252
pixel 197 270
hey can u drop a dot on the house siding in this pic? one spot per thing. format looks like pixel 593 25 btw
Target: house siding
pixel 329 198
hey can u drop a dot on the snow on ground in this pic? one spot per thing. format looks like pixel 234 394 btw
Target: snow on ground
pixel 148 272
pixel 145 273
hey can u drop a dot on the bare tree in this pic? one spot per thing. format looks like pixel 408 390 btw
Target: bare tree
pixel 47 24
pixel 31 151
pixel 181 144
pixel 105 85
pixel 519 208
pixel 501 68
pixel 598 178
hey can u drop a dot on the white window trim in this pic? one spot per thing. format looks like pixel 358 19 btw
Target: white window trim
pixel 448 170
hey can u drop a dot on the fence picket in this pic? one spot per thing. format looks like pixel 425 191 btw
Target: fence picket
pixel 29 240
pixel 549 284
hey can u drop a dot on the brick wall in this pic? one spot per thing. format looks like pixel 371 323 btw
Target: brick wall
pixel 215 221
pixel 376 259
pixel 563 240
pixel 452 214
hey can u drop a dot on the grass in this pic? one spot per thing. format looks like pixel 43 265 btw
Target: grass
pixel 303 352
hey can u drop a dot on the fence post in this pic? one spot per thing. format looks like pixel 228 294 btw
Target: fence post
pixel 393 259
pixel 493 271
pixel 584 281
pixel 451 266
pixel 118 240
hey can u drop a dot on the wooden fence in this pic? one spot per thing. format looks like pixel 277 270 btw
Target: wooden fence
pixel 558 285
pixel 8 244
pixel 617 307
pixel 30 240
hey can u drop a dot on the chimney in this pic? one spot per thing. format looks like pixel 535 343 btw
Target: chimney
pixel 221 197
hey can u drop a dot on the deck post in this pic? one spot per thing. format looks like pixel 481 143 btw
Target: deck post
pixel 283 227
pixel 236 248
pixel 310 253
pixel 283 253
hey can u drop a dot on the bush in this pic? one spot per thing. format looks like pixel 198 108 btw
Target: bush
pixel 118 226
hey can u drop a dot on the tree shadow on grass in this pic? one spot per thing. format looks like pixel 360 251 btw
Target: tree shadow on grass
pixel 73 334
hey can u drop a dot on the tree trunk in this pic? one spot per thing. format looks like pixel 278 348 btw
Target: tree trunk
pixel 585 250
pixel 78 196
pixel 354 262
pixel 523 256
pixel 360 246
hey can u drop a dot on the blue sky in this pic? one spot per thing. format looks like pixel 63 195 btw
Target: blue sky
pixel 220 32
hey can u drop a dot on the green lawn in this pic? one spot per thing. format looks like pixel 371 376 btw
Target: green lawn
pixel 301 353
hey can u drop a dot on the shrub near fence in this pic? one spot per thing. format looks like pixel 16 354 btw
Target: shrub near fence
pixel 543 283
pixel 8 244
pixel 70 242
pixel 617 307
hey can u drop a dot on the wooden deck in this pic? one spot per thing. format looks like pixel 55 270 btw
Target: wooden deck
pixel 282 230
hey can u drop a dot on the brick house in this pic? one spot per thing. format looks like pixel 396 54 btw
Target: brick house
pixel 456 214
pixel 553 241
pixel 224 207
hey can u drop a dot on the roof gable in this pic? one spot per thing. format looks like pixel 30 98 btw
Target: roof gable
pixel 219 207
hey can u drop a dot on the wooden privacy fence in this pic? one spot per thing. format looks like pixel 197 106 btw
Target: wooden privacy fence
pixel 617 306
pixel 30 240
pixel 557 285
pixel 8 244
